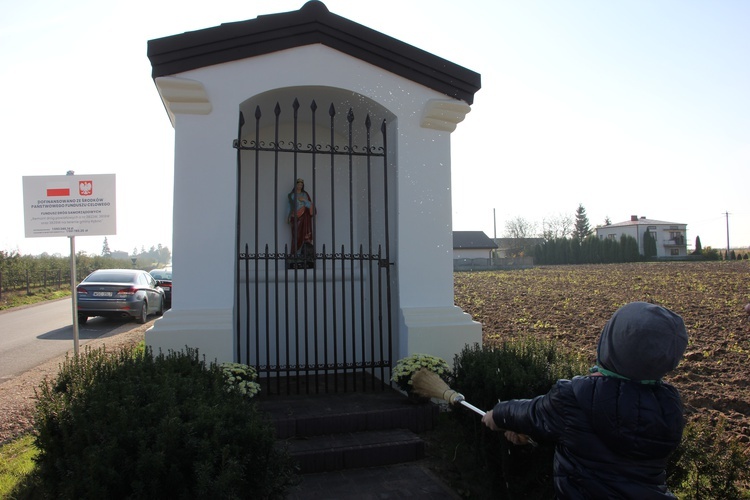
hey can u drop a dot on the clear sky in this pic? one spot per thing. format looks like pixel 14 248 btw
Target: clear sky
pixel 629 108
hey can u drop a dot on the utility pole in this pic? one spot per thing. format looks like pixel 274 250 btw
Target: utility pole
pixel 727 216
pixel 494 239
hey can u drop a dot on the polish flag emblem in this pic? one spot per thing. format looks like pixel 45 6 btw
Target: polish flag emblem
pixel 85 188
pixel 55 192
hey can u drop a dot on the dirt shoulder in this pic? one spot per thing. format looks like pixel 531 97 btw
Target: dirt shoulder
pixel 17 396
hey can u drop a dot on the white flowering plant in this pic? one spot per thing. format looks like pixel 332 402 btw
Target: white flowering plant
pixel 406 367
pixel 241 378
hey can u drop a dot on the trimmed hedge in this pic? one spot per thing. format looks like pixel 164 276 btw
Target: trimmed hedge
pixel 141 426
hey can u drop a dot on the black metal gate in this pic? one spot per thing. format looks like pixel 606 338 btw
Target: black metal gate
pixel 313 297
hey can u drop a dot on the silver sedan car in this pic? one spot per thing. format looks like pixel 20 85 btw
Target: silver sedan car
pixel 123 293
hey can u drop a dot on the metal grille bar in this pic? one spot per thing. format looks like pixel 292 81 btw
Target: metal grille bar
pixel 315 317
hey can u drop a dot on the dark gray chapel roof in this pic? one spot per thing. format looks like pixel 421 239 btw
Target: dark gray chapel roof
pixel 472 239
pixel 312 24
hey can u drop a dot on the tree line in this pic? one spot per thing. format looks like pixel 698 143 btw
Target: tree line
pixel 590 250
pixel 26 272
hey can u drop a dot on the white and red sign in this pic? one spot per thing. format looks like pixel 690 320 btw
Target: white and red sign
pixel 69 205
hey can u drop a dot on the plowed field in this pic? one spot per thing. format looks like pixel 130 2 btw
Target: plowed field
pixel 571 304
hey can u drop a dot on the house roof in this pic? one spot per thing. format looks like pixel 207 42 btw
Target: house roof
pixel 312 24
pixel 472 239
pixel 642 221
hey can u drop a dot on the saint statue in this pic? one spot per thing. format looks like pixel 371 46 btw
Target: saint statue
pixel 301 212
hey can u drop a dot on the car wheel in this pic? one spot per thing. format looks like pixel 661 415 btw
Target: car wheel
pixel 143 316
pixel 82 319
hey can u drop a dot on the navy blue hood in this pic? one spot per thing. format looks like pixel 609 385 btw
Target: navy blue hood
pixel 642 341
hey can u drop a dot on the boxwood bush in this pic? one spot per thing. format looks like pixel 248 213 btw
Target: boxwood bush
pixel 709 463
pixel 135 425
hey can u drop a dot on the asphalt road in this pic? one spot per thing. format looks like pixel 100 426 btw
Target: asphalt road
pixel 32 335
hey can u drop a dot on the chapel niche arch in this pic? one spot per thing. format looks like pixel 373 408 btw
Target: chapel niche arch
pixel 322 320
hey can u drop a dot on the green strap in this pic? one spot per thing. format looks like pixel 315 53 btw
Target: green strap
pixel 612 374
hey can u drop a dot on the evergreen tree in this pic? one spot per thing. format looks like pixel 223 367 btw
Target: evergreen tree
pixel 591 249
pixel 607 220
pixel 629 247
pixel 574 255
pixel 106 252
pixel 582 228
pixel 698 247
pixel 649 245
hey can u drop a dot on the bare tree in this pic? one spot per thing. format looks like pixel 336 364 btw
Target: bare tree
pixel 519 228
pixel 559 226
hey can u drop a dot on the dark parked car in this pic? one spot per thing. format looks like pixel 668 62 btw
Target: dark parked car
pixel 163 278
pixel 119 293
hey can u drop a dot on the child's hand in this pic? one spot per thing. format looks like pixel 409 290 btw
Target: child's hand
pixel 516 438
pixel 489 421
pixel 513 437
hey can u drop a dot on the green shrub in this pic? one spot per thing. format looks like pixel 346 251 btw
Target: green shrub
pixel 511 370
pixel 711 254
pixel 709 463
pixel 142 426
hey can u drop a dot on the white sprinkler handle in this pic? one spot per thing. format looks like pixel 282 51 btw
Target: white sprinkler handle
pixel 472 407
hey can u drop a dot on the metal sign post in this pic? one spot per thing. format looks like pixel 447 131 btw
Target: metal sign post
pixel 73 292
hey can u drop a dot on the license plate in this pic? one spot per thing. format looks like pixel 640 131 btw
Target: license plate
pixel 102 294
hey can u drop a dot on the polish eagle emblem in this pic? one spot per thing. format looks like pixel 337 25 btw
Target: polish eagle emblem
pixel 85 188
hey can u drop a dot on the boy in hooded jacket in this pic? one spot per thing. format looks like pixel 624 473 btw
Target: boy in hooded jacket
pixel 615 428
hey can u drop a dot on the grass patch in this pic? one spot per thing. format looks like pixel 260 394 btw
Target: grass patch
pixel 17 299
pixel 16 465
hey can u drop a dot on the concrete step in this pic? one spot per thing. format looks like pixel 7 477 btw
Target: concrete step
pixel 411 481
pixel 354 450
pixel 329 432
pixel 313 415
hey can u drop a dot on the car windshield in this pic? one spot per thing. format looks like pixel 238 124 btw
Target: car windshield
pixel 161 275
pixel 111 277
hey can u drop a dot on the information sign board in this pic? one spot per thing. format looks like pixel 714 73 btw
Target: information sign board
pixel 69 205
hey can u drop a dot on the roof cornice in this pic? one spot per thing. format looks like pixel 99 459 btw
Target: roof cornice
pixel 312 24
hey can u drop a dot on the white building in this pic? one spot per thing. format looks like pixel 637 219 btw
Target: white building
pixel 472 245
pixel 671 237
pixel 365 120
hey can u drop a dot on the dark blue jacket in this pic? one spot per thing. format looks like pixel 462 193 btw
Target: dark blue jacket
pixel 613 436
